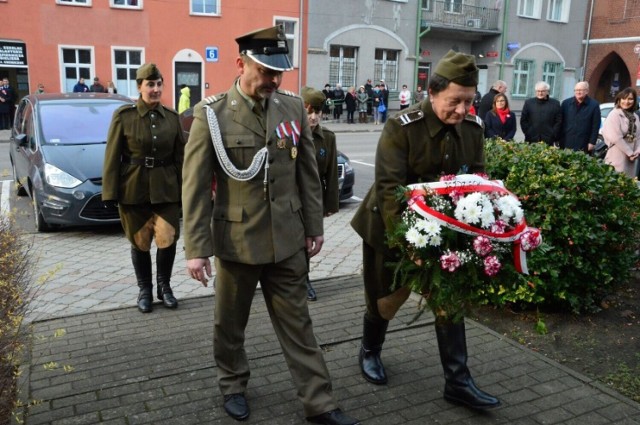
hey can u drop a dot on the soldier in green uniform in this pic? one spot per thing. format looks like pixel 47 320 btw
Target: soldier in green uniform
pixel 142 173
pixel 428 140
pixel 326 155
pixel 267 218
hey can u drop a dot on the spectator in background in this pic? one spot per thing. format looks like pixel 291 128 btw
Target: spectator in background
pixel 486 103
pixel 384 98
pixel 405 97
pixel 328 94
pixel 111 88
pixel 476 101
pixel 97 87
pixel 580 120
pixel 500 121
pixel 621 132
pixel 419 95
pixel 185 98
pixel 375 102
pixel 338 100
pixel 5 107
pixel 351 102
pixel 368 87
pixel 80 86
pixel 541 119
pixel 362 97
pixel 40 89
pixel 10 96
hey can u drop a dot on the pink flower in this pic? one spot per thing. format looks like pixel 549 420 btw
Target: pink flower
pixel 447 178
pixel 456 195
pixel 450 261
pixel 530 239
pixel 492 265
pixel 498 227
pixel 483 175
pixel 482 245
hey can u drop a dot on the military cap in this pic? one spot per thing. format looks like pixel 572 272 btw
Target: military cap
pixel 148 71
pixel 313 97
pixel 458 68
pixel 268 47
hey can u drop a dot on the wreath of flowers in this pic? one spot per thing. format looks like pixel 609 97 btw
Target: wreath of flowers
pixel 457 238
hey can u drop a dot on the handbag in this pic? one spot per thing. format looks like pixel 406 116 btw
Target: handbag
pixel 382 108
pixel 600 150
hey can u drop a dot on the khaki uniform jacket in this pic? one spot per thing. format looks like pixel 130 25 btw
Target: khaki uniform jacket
pixel 248 228
pixel 138 132
pixel 415 147
pixel 326 154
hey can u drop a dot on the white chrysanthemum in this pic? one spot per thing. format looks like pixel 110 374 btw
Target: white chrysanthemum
pixel 429 227
pixel 412 236
pixel 472 209
pixel 421 241
pixel 510 209
pixel 435 240
pixel 487 218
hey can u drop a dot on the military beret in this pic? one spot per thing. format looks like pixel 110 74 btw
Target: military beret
pixel 313 97
pixel 458 68
pixel 268 47
pixel 148 71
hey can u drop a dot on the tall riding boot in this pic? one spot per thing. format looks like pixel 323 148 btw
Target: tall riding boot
pixel 142 266
pixel 459 386
pixel 164 265
pixel 373 334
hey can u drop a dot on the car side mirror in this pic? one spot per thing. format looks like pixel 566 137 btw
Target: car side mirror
pixel 22 140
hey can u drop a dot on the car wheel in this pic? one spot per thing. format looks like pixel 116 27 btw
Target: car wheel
pixel 40 224
pixel 20 190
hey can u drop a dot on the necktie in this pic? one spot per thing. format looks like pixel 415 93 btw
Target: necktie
pixel 259 112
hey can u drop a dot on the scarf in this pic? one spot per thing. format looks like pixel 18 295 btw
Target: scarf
pixel 503 114
pixel 631 132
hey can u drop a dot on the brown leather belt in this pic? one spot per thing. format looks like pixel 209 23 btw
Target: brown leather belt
pixel 147 161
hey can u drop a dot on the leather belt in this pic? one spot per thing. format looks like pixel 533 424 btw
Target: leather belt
pixel 147 161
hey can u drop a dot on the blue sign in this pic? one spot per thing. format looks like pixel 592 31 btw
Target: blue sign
pixel 212 54
pixel 513 46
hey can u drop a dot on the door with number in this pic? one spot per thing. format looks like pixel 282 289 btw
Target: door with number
pixel 189 73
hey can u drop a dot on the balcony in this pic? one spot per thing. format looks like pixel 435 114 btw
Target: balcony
pixel 453 14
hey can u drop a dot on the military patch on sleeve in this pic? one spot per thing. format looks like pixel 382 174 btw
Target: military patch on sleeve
pixel 409 117
pixel 287 93
pixel 474 119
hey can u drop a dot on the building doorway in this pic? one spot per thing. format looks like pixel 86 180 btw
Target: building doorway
pixel 189 73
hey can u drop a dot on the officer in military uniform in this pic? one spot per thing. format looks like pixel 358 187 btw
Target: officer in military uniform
pixel 142 173
pixel 267 218
pixel 326 155
pixel 430 139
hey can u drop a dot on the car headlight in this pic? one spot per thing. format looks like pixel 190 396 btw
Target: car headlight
pixel 56 177
pixel 347 167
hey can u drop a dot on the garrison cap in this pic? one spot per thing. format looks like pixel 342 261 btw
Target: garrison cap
pixel 148 71
pixel 268 47
pixel 458 68
pixel 313 97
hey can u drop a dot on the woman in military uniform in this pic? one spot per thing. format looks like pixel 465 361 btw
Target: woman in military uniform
pixel 143 174
pixel 324 141
pixel 427 140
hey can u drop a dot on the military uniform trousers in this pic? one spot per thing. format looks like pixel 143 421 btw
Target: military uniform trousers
pixel 285 293
pixel 143 222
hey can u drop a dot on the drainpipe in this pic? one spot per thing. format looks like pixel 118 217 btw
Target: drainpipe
pixel 300 44
pixel 419 36
pixel 505 27
pixel 586 44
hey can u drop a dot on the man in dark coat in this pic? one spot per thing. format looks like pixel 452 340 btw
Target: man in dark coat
pixel 267 218
pixel 580 120
pixel 428 140
pixel 486 103
pixel 541 119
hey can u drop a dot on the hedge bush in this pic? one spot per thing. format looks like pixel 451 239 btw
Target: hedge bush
pixel 588 215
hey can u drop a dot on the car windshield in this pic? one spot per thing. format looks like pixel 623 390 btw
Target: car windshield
pixel 76 123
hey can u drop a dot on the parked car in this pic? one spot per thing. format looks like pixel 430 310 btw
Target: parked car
pixel 57 150
pixel 346 173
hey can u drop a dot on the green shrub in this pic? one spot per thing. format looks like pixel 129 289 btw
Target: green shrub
pixel 587 213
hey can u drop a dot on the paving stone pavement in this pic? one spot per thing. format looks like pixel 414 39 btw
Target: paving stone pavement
pixel 95 359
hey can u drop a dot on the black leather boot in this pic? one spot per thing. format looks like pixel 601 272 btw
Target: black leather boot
pixel 142 266
pixel 459 386
pixel 373 334
pixel 164 265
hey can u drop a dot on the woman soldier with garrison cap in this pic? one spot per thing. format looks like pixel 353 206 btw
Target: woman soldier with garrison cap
pixel 143 174
pixel 429 139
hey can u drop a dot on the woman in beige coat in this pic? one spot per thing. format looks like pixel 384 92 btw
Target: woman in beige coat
pixel 621 132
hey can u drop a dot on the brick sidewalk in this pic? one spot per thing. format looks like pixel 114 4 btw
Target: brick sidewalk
pixel 158 368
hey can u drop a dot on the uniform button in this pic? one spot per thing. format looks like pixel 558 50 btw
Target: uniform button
pixel 155 137
pixel 154 149
pixel 446 156
pixel 375 209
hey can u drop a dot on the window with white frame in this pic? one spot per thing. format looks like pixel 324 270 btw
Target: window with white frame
pixel 126 62
pixel 426 5
pixel 522 77
pixel 551 74
pixel 342 65
pixel 558 10
pixel 530 8
pixel 75 2
pixel 453 6
pixel 291 31
pixel 205 7
pixel 76 63
pixel 127 4
pixel 386 67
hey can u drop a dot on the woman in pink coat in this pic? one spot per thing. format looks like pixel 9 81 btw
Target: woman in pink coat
pixel 621 132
